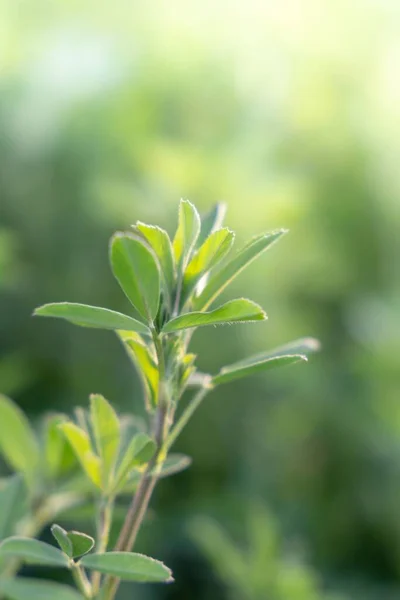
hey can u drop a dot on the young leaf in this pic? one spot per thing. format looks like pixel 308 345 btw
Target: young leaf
pixel 187 233
pixel 106 429
pixel 61 537
pixel 226 274
pixel 249 367
pixel 234 311
pixel 214 249
pixel 144 363
pixel 33 552
pixel 139 451
pixel 159 240
pixel 128 566
pixel 136 270
pixel 18 443
pixel 81 543
pixel 91 316
pixel 59 456
pixel 22 588
pixel 211 222
pixel 81 445
pixel 13 503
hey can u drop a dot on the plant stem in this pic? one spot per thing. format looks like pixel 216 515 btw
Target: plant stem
pixel 141 499
pixel 186 415
pixel 103 534
pixel 81 580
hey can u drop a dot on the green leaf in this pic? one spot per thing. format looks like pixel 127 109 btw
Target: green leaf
pixel 18 443
pixel 145 364
pixel 23 587
pixel 211 221
pixel 106 429
pixel 214 249
pixel 139 451
pixel 234 311
pixel 61 537
pixel 13 504
pixel 33 552
pixel 128 566
pixel 80 443
pixel 251 366
pixel 81 543
pixel 90 316
pixel 187 233
pixel 226 274
pixel 136 270
pixel 58 453
pixel 173 464
pixel 161 244
pixel 305 346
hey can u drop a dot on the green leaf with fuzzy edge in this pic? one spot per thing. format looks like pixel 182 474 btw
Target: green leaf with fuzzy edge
pixel 33 552
pixel 234 311
pixel 59 456
pixel 21 588
pixel 61 537
pixel 106 430
pixel 84 315
pixel 145 363
pixel 220 279
pixel 128 566
pixel 239 370
pixel 18 443
pixel 161 244
pixel 211 221
pixel 81 543
pixel 187 233
pixel 214 249
pixel 136 270
pixel 80 443
pixel 139 451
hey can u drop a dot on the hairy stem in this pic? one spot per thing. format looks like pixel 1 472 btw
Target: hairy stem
pixel 141 499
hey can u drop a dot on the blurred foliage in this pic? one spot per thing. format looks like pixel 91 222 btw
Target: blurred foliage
pixel 256 571
pixel 288 111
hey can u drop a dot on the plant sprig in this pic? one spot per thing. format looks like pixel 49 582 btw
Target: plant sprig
pixel 171 285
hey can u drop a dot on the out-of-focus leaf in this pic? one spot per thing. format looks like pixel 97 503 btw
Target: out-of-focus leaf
pixel 33 552
pixel 91 316
pixel 13 503
pixel 249 367
pixel 128 566
pixel 213 250
pixel 58 453
pixel 137 272
pixel 139 451
pixel 234 311
pixel 81 543
pixel 145 364
pixel 22 588
pixel 61 537
pixel 106 429
pixel 219 280
pixel 18 443
pixel 211 221
pixel 80 443
pixel 187 233
pixel 159 240
pixel 173 464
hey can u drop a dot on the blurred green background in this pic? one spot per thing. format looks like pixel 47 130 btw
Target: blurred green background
pixel 289 112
